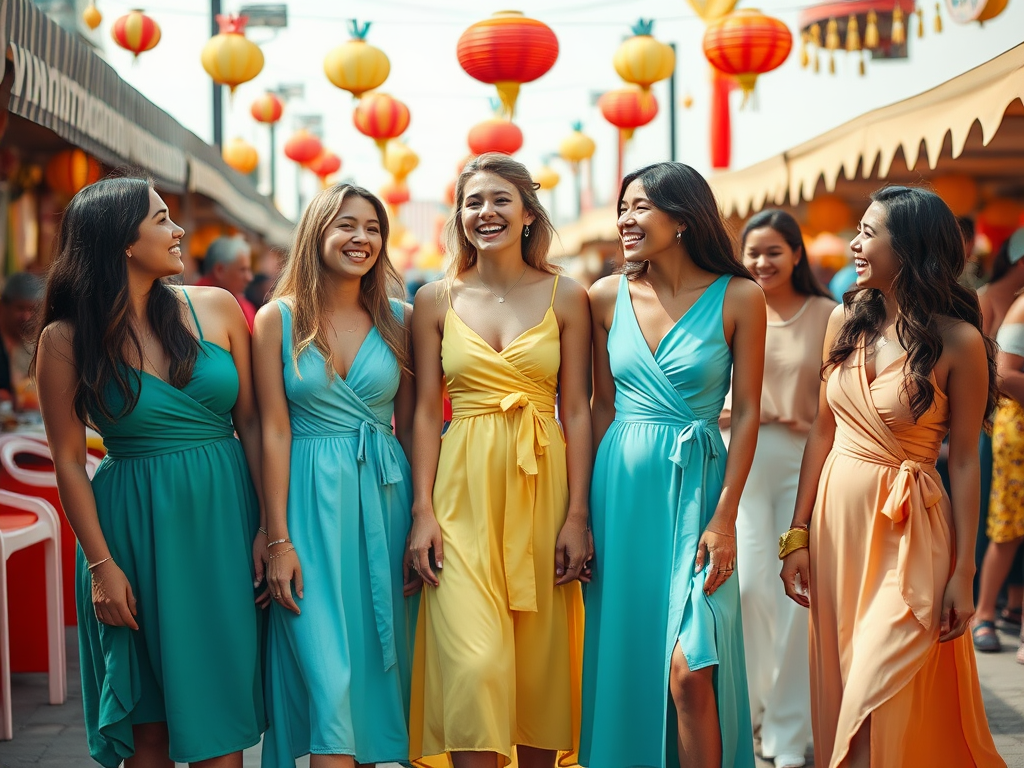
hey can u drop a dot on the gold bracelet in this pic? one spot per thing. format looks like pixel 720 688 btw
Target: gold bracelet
pixel 98 563
pixel 792 540
pixel 282 552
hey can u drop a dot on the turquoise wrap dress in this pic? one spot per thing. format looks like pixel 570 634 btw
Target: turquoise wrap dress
pixel 176 505
pixel 338 674
pixel 657 479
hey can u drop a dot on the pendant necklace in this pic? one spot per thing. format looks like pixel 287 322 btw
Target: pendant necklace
pixel 501 299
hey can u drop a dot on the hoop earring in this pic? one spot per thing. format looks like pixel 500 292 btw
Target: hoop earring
pixel 526 231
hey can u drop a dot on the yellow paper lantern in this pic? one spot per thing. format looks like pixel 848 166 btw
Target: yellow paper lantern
pixel 642 60
pixel 91 16
pixel 547 177
pixel 577 146
pixel 399 160
pixel 229 58
pixel 959 192
pixel 356 66
pixel 241 155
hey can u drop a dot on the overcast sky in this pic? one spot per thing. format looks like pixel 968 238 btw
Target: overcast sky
pixel 420 36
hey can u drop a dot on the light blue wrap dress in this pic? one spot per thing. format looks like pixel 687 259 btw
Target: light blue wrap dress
pixel 338 674
pixel 657 480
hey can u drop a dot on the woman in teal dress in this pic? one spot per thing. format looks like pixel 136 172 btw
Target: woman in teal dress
pixel 169 628
pixel 332 367
pixel 663 665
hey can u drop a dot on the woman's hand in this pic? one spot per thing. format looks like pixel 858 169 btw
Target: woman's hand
pixel 957 607
pixel 259 561
pixel 411 580
pixel 425 537
pixel 112 597
pixel 796 576
pixel 573 550
pixel 718 551
pixel 283 568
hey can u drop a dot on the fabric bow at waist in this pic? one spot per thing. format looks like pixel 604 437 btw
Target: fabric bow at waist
pixel 695 435
pixel 911 500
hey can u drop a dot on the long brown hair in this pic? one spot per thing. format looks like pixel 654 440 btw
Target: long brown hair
pixel 305 284
pixel 929 247
pixel 87 288
pixel 461 254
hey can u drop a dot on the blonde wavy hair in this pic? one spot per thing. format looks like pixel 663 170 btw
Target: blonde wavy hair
pixel 461 254
pixel 304 281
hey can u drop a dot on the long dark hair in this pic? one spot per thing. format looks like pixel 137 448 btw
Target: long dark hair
pixel 87 288
pixel 683 194
pixel 928 244
pixel 802 278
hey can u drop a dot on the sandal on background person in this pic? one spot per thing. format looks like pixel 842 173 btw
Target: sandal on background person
pixel 1009 620
pixel 1020 651
pixel 985 637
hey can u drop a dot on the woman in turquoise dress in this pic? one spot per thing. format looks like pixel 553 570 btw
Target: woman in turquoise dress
pixel 169 628
pixel 663 667
pixel 331 359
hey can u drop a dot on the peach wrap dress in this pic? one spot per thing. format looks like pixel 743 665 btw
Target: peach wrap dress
pixel 881 549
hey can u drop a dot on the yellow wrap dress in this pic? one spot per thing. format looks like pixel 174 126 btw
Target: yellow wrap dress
pixel 498 646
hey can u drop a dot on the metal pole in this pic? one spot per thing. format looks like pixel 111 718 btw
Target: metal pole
pixel 273 161
pixel 672 110
pixel 218 104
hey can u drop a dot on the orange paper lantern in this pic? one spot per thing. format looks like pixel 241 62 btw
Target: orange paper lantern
pixel 577 146
pixel 72 170
pixel 303 147
pixel 381 117
pixel 91 16
pixel 628 108
pixel 745 44
pixel 507 50
pixel 136 32
pixel 959 192
pixel 495 135
pixel 267 109
pixel 395 193
pixel 828 213
pixel 324 164
pixel 229 58
pixel 241 155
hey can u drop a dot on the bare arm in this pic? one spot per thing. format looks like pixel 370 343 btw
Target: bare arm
pixel 602 308
pixel 405 400
pixel 56 377
pixel 425 535
pixel 572 309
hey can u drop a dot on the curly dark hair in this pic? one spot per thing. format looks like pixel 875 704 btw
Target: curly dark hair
pixel 929 247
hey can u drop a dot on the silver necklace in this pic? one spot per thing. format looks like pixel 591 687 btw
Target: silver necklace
pixel 501 299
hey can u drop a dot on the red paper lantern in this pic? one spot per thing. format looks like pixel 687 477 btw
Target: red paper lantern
pixel 395 193
pixel 628 108
pixel 303 147
pixel 495 135
pixel 71 170
pixel 745 44
pixel 136 32
pixel 324 164
pixel 381 117
pixel 506 50
pixel 267 108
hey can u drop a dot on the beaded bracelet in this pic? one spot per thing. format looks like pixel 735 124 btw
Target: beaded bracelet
pixel 279 541
pixel 282 552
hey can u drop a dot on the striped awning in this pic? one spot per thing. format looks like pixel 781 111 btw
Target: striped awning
pixel 61 84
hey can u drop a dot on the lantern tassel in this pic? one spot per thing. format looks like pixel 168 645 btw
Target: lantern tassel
pixel 938 19
pixel 920 22
pixel 817 61
pixel 805 59
pixel 852 34
pixel 863 69
pixel 508 91
pixel 832 35
pixel 816 35
pixel 871 31
pixel 899 33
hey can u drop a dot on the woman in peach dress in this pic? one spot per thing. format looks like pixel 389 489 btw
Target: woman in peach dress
pixel 888 576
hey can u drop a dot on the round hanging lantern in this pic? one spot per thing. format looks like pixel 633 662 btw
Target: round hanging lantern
pixel 547 177
pixel 324 164
pixel 449 192
pixel 507 50
pixel 642 60
pixel 240 155
pixel 303 147
pixel 828 213
pixel 395 193
pixel 992 9
pixel 399 160
pixel 495 135
pixel 745 44
pixel 229 58
pixel 136 32
pixel 577 146
pixel 91 16
pixel 957 191
pixel 628 109
pixel 72 170
pixel 381 117
pixel 828 251
pixel 356 66
pixel 267 109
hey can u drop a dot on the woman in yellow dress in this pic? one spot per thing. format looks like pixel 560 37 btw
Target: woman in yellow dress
pixel 500 509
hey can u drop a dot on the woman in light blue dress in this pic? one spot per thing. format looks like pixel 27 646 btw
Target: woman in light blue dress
pixel 663 669
pixel 332 368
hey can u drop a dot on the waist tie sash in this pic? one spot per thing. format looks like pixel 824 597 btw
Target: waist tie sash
pixel 911 498
pixel 532 440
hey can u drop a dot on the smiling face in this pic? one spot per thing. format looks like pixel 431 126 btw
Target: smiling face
pixel 873 258
pixel 353 239
pixel 157 251
pixel 493 215
pixel 769 258
pixel 644 229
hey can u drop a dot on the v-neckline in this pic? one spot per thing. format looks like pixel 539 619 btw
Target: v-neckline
pixel 675 324
pixel 167 383
pixel 884 369
pixel 503 350
pixel 355 359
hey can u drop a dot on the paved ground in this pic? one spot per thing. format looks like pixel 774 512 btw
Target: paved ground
pixel 54 737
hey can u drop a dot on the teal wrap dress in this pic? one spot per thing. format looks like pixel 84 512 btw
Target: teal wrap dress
pixel 657 479
pixel 338 674
pixel 176 505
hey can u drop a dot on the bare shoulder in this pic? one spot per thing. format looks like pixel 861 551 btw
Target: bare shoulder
pixel 569 293
pixel 742 289
pixel 429 299
pixel 204 295
pixel 1015 314
pixel 603 292
pixel 268 316
pixel 960 338
pixel 57 338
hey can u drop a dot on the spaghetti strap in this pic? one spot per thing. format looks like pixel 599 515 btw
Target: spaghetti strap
pixel 553 289
pixel 194 315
